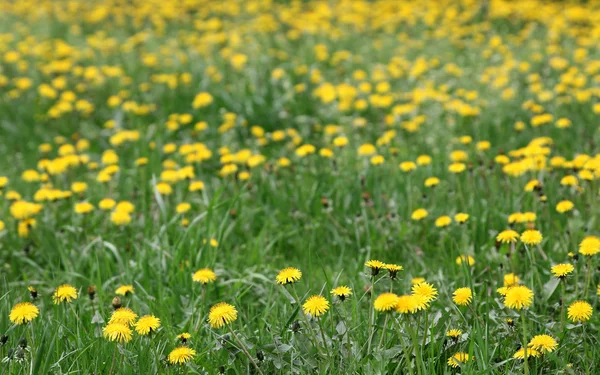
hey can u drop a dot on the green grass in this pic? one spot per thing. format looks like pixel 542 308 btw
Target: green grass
pixel 278 217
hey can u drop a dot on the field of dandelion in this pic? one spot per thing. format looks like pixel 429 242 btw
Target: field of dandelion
pixel 299 187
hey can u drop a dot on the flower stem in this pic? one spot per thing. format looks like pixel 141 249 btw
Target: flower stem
pixel 323 337
pixel 371 317
pixel 243 347
pixel 387 316
pixel 524 324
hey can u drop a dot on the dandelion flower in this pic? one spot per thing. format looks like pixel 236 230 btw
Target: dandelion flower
pixel 120 218
pixel 564 206
pixel 181 355
pixel 23 312
pixel 458 359
pixel 147 324
pixel 375 266
pixel 589 246
pixel 443 221
pixel 531 237
pixel 342 292
pixel 425 290
pixel 510 279
pixel 467 259
pixel 543 343
pixel 125 290
pixel 64 293
pixel 531 353
pixel 419 214
pixel 184 337
pixel 454 333
pixel 518 297
pixel 507 236
pixel 117 332
pixel 315 306
pixel 461 218
pixel 579 311
pixel 123 315
pixel 406 304
pixel 462 296
pixel 288 276
pixel 222 314
pixel 204 276
pixel 385 302
pixel 393 269
pixel 562 270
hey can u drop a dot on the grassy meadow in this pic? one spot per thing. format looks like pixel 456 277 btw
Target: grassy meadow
pixel 299 187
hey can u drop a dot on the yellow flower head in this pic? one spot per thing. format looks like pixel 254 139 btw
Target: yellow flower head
pixel 418 214
pixel 204 276
pixel 507 236
pixel 123 315
pixel 543 343
pixel 64 293
pixel 407 304
pixel 426 291
pixel 461 217
pixel 315 306
pixel 342 292
pixel 467 259
pixel 288 276
pixel 531 237
pixel 385 302
pixel 181 355
pixel 579 311
pixel 454 333
pixel 462 296
pixel 125 290
pixel 375 266
pixel 458 359
pixel 222 314
pixel 531 353
pixel 443 221
pixel 518 297
pixel 562 270
pixel 147 324
pixel 117 332
pixel 23 312
pixel 589 246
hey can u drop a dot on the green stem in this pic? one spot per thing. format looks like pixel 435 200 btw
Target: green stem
pixel 404 349
pixel 371 317
pixel 524 324
pixel 243 347
pixel 387 316
pixel 323 337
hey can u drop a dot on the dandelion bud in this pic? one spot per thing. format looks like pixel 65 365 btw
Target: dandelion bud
pixel 91 292
pixel 116 302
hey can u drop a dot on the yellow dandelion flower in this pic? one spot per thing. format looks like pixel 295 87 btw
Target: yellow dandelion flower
pixel 462 296
pixel 562 270
pixel 181 355
pixel 425 290
pixel 288 276
pixel 507 236
pixel 518 297
pixel 454 333
pixel 23 312
pixel 222 314
pixel 531 237
pixel 385 302
pixel 543 343
pixel 315 306
pixel 204 276
pixel 443 221
pixel 579 311
pixel 125 290
pixel 64 293
pixel 147 324
pixel 531 353
pixel 342 292
pixel 117 332
pixel 458 359
pixel 123 315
